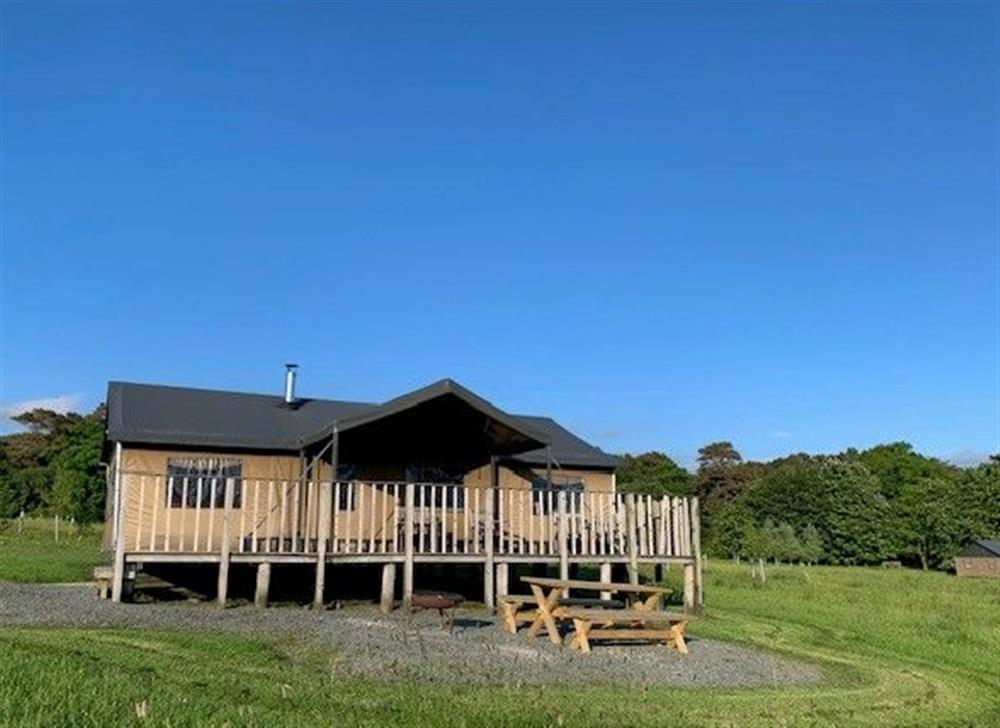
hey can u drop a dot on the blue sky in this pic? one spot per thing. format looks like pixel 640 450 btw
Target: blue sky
pixel 665 224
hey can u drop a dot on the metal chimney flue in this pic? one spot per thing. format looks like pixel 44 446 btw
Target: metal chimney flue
pixel 290 370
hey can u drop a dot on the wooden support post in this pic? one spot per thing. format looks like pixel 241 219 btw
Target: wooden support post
pixel 689 587
pixel 606 577
pixel 263 584
pixel 488 576
pixel 408 549
pixel 224 548
pixel 388 587
pixel 503 579
pixel 563 536
pixel 323 537
pixel 118 579
pixel 699 584
pixel 633 542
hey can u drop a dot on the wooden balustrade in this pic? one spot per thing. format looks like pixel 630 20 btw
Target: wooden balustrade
pixel 167 515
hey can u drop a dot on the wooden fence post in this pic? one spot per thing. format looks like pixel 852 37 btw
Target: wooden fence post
pixel 563 536
pixel 633 544
pixel 408 548
pixel 322 537
pixel 224 548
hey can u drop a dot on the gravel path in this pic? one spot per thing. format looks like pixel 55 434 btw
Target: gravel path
pixel 400 647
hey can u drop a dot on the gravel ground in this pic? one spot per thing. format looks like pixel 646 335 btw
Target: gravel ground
pixel 401 647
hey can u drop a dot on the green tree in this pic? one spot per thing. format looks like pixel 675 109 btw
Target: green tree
pixel 896 466
pixel 927 519
pixel 653 473
pixel 54 465
pixel 733 531
pixel 78 484
pixel 812 545
pixel 787 546
pixel 840 499
pixel 979 500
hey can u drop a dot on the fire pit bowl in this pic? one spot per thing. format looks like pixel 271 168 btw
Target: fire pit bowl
pixel 443 602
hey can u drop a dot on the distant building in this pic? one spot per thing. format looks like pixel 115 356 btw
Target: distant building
pixel 980 558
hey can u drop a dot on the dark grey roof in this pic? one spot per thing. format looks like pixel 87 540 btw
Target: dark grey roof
pixel 568 450
pixel 163 415
pixel 982 547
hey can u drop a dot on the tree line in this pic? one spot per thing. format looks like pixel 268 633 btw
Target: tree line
pixel 54 466
pixel 856 507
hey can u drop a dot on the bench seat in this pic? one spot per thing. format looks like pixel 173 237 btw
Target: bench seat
pixel 625 624
pixel 510 607
pixel 593 603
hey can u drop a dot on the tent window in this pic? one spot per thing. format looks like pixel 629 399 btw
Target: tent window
pixel 425 495
pixel 347 496
pixel 540 487
pixel 202 481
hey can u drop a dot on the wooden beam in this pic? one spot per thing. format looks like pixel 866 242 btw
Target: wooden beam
pixel 488 575
pixel 263 584
pixel 606 577
pixel 224 548
pixel 631 535
pixel 690 603
pixel 503 580
pixel 408 549
pixel 563 536
pixel 388 587
pixel 322 537
pixel 699 583
pixel 118 580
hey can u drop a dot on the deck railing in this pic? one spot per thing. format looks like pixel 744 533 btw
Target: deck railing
pixel 166 514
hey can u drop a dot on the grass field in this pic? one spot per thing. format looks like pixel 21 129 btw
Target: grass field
pixel 29 553
pixel 897 647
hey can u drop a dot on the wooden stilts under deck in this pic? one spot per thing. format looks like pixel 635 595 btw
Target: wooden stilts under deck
pixel 263 584
pixel 388 587
pixel 503 579
pixel 118 580
pixel 488 576
pixel 408 549
pixel 606 577
pixel 224 551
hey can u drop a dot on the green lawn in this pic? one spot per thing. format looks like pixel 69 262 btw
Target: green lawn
pixel 31 554
pixel 898 648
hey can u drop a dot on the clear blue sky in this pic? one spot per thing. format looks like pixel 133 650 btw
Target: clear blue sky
pixel 665 224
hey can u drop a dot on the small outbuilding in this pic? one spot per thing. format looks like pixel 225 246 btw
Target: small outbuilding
pixel 980 558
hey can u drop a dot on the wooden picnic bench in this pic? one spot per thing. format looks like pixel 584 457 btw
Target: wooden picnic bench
pixel 631 624
pixel 547 594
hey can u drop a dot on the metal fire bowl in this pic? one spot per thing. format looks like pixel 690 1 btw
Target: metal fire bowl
pixel 436 600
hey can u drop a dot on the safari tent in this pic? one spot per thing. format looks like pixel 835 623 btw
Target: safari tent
pixel 436 475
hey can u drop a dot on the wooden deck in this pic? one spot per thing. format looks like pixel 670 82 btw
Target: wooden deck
pixel 215 520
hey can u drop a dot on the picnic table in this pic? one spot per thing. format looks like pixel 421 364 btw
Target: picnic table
pixel 638 617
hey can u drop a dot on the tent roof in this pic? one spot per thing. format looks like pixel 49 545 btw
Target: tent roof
pixel 164 415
